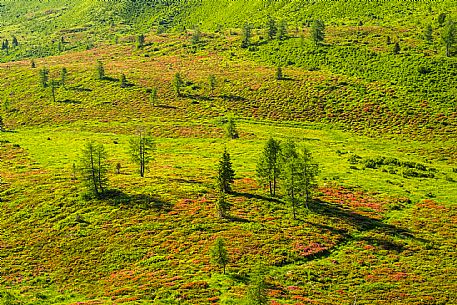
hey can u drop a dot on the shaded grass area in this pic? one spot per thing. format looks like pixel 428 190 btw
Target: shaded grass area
pixel 363 238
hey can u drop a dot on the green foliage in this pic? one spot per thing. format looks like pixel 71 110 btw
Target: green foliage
pixel 448 36
pixel 123 81
pixel 225 173
pixel 153 96
pixel 53 89
pixel 279 75
pixel 299 172
pixel 140 41
pixel 258 289
pixel 94 168
pixel 272 29
pixel 428 33
pixel 63 76
pixel 141 150
pixel 396 48
pixel 282 30
pixel 44 77
pixel 100 69
pixel 441 19
pixel 317 32
pixel 222 205
pixel 246 36
pixel 268 166
pixel 196 36
pixel 219 254
pixel 230 128
pixel 177 83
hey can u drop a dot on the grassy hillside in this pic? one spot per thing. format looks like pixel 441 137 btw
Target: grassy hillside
pixel 381 126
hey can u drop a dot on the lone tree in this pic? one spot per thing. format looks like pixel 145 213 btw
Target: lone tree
pixel 225 173
pixel 272 29
pixel 94 168
pixel 428 33
pixel 140 41
pixel 100 70
pixel 44 76
pixel 14 42
pixel 219 254
pixel 141 149
pixel 196 35
pixel 153 96
pixel 279 75
pixel 258 292
pixel 246 36
pixel 230 128
pixel 177 83
pixel 53 90
pixel 222 205
pixel 123 81
pixel 282 30
pixel 63 76
pixel 268 166
pixel 449 36
pixel 317 32
pixel 397 48
pixel 212 83
pixel 32 64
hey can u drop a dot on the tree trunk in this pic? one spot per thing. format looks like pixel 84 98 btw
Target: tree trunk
pixel 271 190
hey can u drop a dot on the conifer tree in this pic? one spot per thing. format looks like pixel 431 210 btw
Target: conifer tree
pixel 222 205
pixel 268 166
pixel 258 290
pixel 225 174
pixel 100 70
pixel 63 76
pixel 230 128
pixel 428 33
pixel 448 36
pixel 282 30
pixel 94 168
pixel 246 36
pixel 140 41
pixel 317 32
pixel 177 83
pixel 219 254
pixel 141 150
pixel 44 76
pixel 272 29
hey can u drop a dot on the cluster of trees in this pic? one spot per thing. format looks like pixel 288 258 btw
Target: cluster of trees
pixel 94 165
pixel 284 164
pixel 6 44
pixel 258 290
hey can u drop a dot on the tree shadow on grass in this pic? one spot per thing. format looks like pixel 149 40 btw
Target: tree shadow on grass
pixel 141 201
pixel 79 89
pixel 366 223
pixel 70 102
pixel 165 106
pixel 255 196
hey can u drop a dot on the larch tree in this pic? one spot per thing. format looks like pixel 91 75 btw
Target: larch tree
pixel 272 29
pixel 141 149
pixel 448 36
pixel 177 83
pixel 100 70
pixel 317 32
pixel 268 166
pixel 63 77
pixel 219 254
pixel 258 289
pixel 246 36
pixel 94 168
pixel 225 173
pixel 44 77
